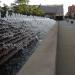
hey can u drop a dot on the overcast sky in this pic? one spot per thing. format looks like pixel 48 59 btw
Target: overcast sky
pixel 66 3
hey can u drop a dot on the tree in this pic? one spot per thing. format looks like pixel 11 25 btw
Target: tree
pixel 22 1
pixel 21 6
pixel 35 10
pixel 25 9
pixel 4 10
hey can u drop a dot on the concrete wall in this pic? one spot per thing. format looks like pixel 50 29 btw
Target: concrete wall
pixel 66 48
pixel 43 60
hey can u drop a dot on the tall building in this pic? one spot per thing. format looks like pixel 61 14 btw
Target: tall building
pixel 71 11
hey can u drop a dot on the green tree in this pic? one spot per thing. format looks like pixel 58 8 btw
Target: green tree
pixel 21 7
pixel 4 10
pixel 22 1
pixel 35 10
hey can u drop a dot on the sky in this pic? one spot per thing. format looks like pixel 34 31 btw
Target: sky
pixel 66 3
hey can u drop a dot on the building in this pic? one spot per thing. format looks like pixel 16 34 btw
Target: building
pixel 52 10
pixel 71 11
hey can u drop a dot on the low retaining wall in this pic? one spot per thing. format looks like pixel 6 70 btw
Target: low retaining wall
pixel 43 60
pixel 66 48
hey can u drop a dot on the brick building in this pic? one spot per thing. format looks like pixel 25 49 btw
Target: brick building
pixel 71 11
